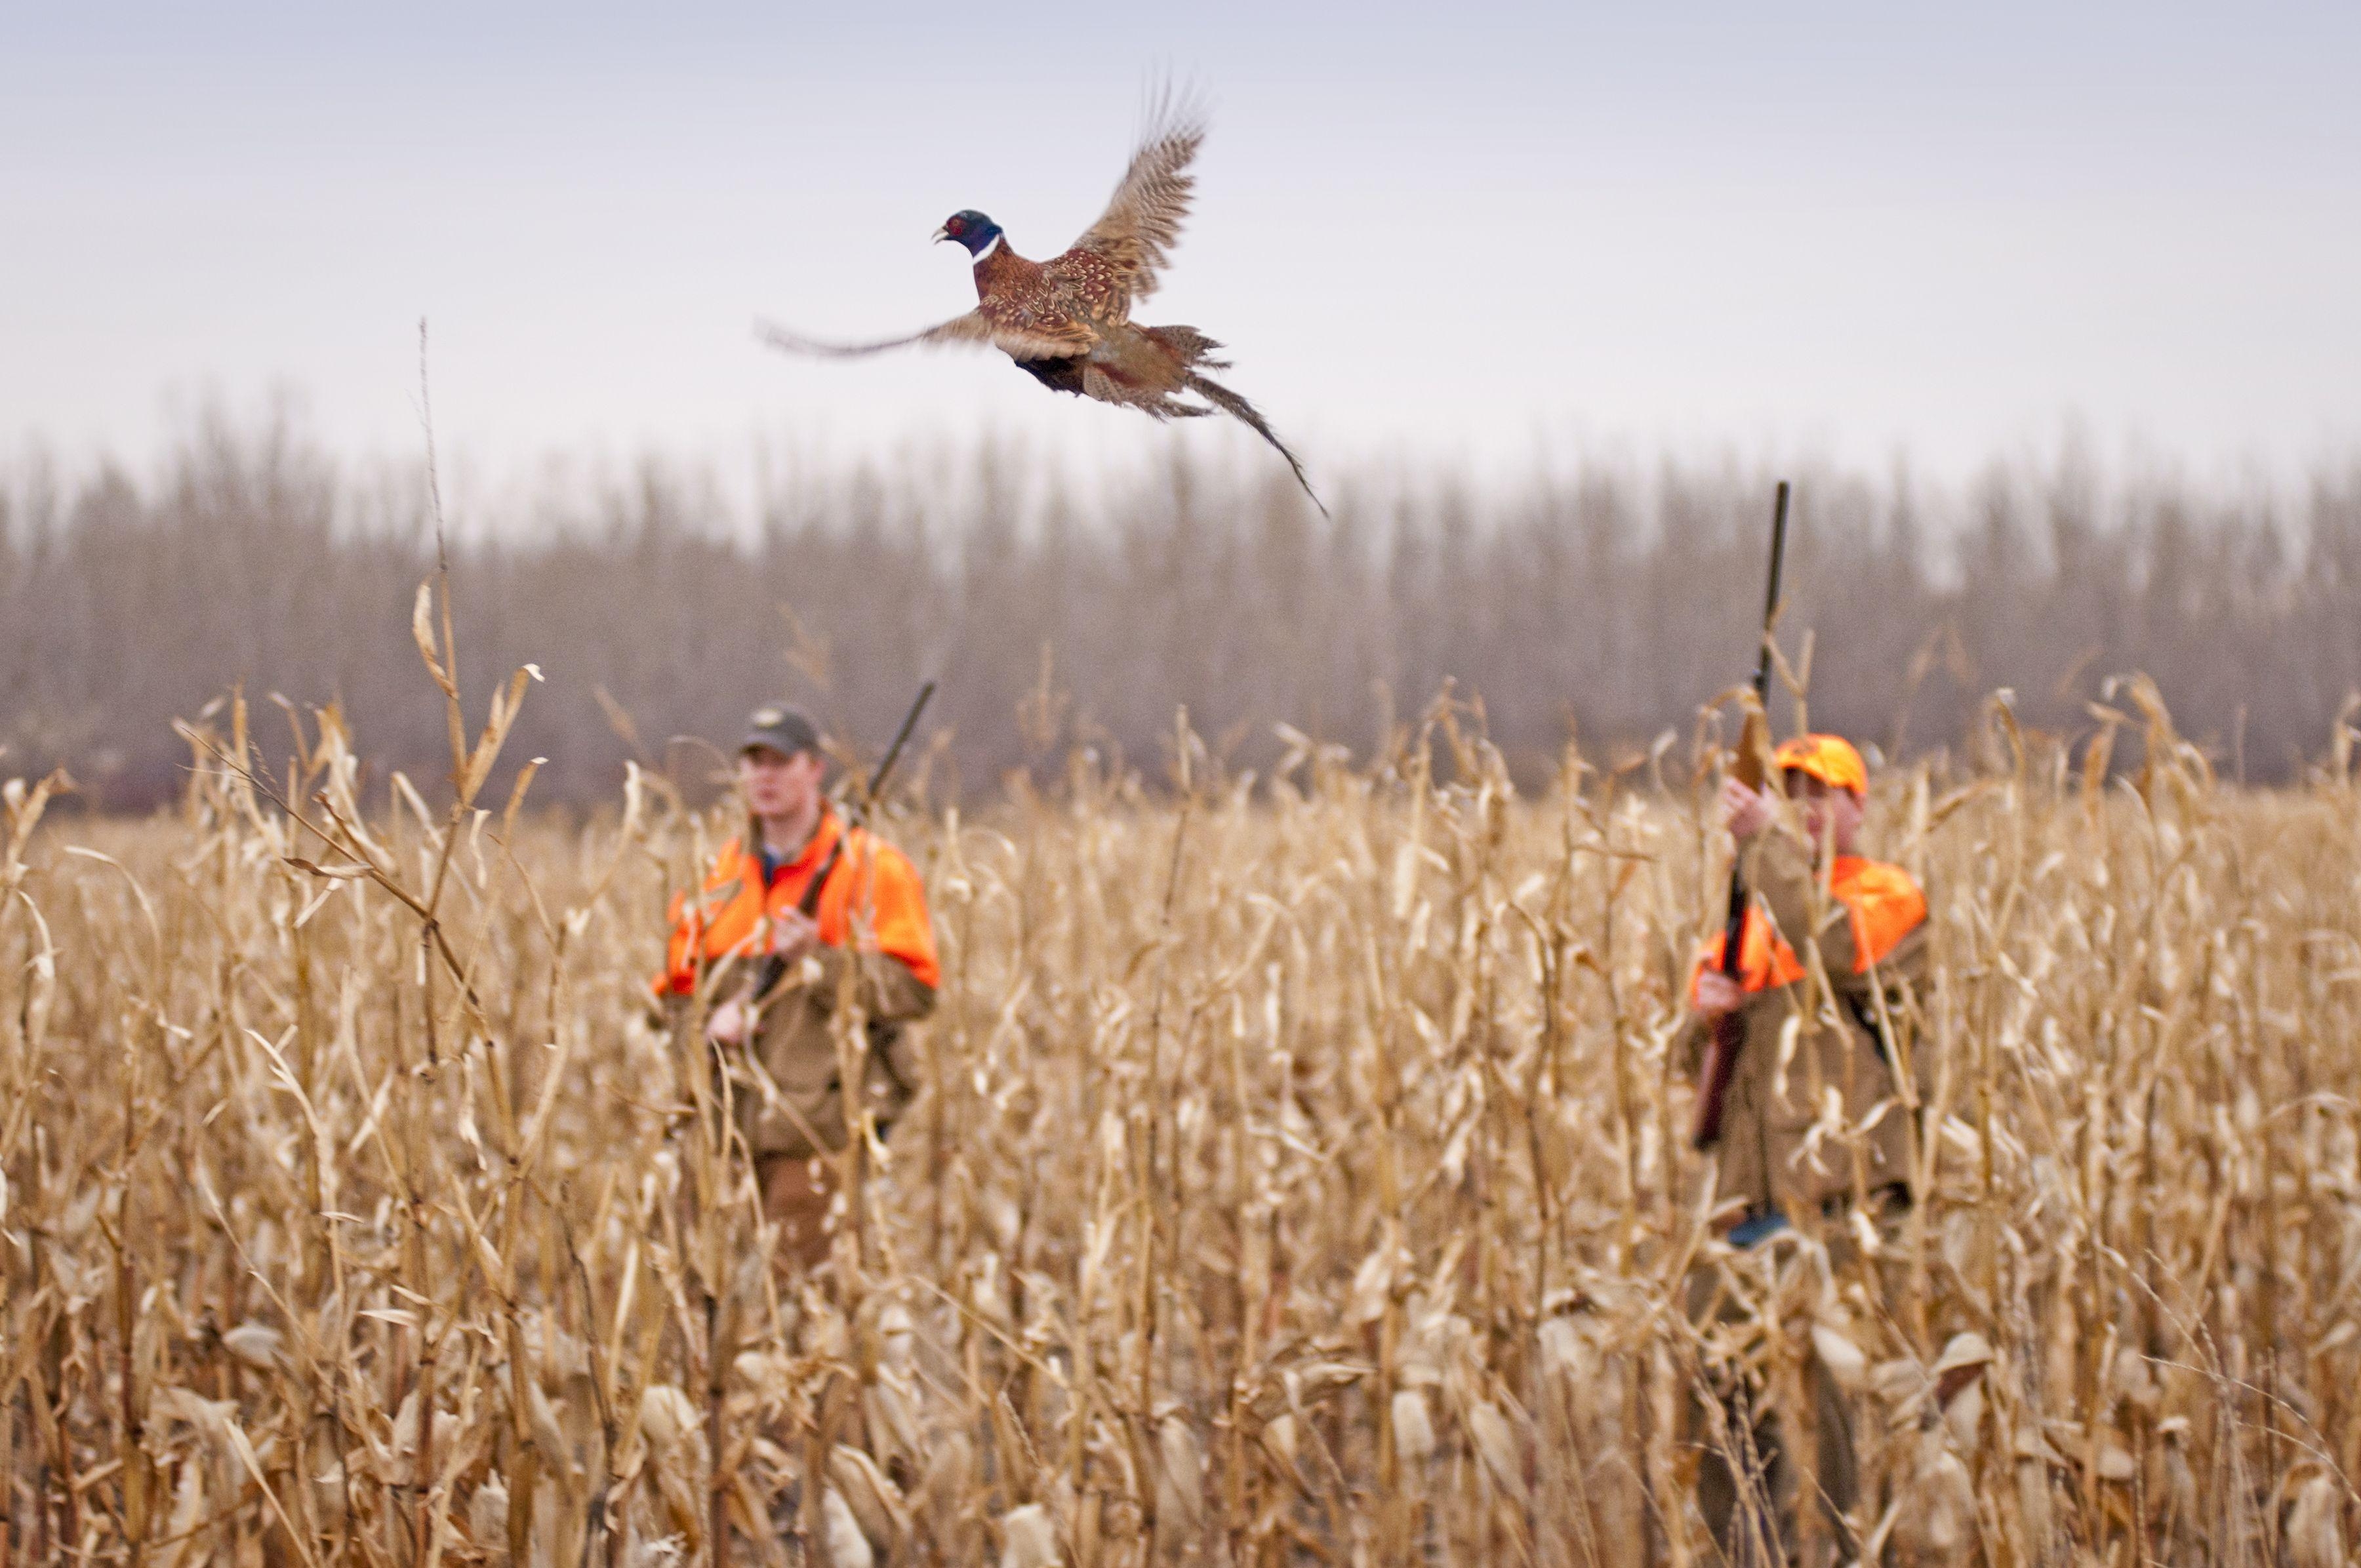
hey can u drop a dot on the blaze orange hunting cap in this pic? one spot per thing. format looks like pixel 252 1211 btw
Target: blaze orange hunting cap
pixel 1827 758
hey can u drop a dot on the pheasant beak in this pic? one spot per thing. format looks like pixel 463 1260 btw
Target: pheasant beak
pixel 939 236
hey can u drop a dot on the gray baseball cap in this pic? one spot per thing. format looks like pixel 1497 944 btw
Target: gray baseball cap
pixel 781 727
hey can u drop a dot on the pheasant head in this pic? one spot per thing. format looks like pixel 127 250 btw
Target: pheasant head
pixel 972 229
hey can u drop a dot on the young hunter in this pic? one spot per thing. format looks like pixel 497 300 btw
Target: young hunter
pixel 840 916
pixel 1872 935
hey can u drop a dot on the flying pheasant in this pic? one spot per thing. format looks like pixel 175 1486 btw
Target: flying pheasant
pixel 1067 322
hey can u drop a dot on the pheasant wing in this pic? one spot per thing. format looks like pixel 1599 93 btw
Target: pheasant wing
pixel 1142 221
pixel 973 330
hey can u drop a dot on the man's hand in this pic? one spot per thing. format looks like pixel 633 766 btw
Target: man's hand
pixel 794 934
pixel 727 1024
pixel 1717 993
pixel 1746 812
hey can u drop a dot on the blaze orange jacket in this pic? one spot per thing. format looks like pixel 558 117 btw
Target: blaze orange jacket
pixel 1884 904
pixel 873 892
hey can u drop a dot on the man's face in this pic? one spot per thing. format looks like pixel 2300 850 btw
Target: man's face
pixel 1831 816
pixel 777 784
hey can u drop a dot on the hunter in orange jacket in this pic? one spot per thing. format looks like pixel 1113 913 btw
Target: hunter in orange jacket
pixel 825 919
pixel 1873 934
pixel 1812 1120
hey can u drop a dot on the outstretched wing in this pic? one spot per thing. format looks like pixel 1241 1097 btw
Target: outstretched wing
pixel 973 330
pixel 1142 221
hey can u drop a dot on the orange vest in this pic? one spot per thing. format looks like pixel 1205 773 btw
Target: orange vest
pixel 1885 906
pixel 732 918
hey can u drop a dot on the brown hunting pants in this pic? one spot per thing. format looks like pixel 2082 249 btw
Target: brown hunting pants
pixel 797 1192
pixel 1751 1498
pixel 1755 1473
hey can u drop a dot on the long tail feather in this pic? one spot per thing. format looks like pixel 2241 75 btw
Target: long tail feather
pixel 1246 413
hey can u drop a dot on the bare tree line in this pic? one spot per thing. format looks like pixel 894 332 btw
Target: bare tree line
pixel 1604 602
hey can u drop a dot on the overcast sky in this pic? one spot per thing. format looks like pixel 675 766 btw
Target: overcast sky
pixel 1457 231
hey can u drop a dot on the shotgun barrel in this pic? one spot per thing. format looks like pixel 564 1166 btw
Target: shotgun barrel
pixel 1730 1029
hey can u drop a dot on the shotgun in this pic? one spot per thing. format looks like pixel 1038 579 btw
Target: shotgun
pixel 1730 1029
pixel 774 968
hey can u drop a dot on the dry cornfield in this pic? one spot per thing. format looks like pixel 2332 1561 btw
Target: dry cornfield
pixel 1297 1179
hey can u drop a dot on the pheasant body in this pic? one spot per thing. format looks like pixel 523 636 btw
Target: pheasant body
pixel 1067 322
